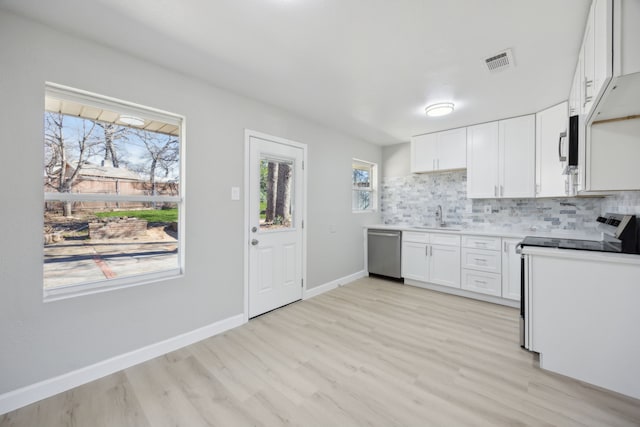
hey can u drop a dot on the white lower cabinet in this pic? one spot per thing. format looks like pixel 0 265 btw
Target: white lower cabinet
pixel 481 265
pixel 486 265
pixel 510 269
pixel 433 258
pixel 444 265
pixel 415 265
pixel 478 281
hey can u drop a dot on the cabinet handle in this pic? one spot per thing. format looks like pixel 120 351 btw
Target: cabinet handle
pixel 501 190
pixel 433 166
pixel 480 282
pixel 505 246
pixel 495 190
pixel 430 250
pixel 560 156
pixel 438 163
pixel 426 251
pixel 480 260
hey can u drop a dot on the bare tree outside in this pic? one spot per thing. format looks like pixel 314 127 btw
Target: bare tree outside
pixel 161 156
pixel 275 193
pixel 66 154
pixel 112 134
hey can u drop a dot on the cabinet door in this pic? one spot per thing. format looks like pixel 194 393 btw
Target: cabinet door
pixel 452 149
pixel 517 157
pixel 550 123
pixel 444 265
pixel 574 95
pixel 414 261
pixel 424 152
pixel 482 161
pixel 602 46
pixel 510 269
pixel 588 64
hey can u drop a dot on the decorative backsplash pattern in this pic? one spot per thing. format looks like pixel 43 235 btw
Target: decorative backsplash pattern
pixel 413 200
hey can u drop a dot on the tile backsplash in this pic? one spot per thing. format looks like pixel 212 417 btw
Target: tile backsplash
pixel 413 200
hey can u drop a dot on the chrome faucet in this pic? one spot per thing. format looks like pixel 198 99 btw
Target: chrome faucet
pixel 439 221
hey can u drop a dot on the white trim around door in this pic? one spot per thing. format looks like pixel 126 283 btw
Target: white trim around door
pixel 248 134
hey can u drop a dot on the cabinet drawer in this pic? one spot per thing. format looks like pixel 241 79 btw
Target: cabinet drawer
pixel 481 242
pixel 415 236
pixel 482 259
pixel 484 283
pixel 444 239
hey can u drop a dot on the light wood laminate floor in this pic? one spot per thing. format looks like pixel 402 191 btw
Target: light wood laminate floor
pixel 369 353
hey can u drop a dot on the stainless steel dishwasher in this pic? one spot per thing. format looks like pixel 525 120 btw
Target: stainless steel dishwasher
pixel 383 252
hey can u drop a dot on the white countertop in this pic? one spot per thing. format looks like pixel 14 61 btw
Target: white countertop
pixel 517 234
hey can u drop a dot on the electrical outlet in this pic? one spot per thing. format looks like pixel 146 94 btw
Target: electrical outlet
pixel 487 209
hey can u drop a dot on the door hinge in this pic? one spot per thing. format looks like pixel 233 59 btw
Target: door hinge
pixel 303 165
pixel 302 283
pixel 302 223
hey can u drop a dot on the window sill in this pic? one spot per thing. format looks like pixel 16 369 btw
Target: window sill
pixel 72 291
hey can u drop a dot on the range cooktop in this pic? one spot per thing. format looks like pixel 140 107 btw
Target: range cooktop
pixel 581 245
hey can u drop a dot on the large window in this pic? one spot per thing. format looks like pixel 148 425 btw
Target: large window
pixel 363 194
pixel 112 191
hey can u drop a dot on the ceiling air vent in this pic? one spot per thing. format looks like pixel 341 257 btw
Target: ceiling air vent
pixel 500 61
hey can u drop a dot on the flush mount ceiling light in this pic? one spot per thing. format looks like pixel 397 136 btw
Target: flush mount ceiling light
pixel 131 120
pixel 440 109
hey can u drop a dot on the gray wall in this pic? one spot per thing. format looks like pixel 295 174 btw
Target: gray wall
pixel 38 340
pixel 396 160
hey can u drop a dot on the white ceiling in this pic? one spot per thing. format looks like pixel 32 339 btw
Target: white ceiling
pixel 365 67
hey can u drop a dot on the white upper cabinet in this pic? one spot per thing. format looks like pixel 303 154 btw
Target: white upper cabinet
pixel 452 149
pixel 551 124
pixel 517 156
pixel 575 103
pixel 439 151
pixel 424 152
pixel 482 160
pixel 595 62
pixel 501 159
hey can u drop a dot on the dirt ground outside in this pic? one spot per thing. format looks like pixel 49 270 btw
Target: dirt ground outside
pixel 71 257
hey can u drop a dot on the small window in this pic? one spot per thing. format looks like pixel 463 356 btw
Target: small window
pixel 112 191
pixel 363 186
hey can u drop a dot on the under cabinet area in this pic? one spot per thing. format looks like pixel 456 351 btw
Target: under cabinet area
pixel 439 151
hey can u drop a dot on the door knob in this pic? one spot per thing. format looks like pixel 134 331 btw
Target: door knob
pixel 254 242
pixel 254 229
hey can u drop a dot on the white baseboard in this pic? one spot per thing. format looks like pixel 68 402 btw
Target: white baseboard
pixel 32 393
pixel 463 293
pixel 317 290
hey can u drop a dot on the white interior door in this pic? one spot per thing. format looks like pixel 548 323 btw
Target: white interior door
pixel 276 182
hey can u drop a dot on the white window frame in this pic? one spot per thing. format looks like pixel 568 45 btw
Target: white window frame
pixel 54 90
pixel 373 181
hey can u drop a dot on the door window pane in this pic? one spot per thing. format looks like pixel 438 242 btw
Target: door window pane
pixel 276 197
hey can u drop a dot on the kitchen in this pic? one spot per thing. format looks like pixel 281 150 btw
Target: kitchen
pixel 349 81
pixel 542 185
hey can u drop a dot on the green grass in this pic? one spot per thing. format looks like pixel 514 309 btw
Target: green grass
pixel 151 215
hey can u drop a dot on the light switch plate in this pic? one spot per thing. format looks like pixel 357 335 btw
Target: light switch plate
pixel 235 193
